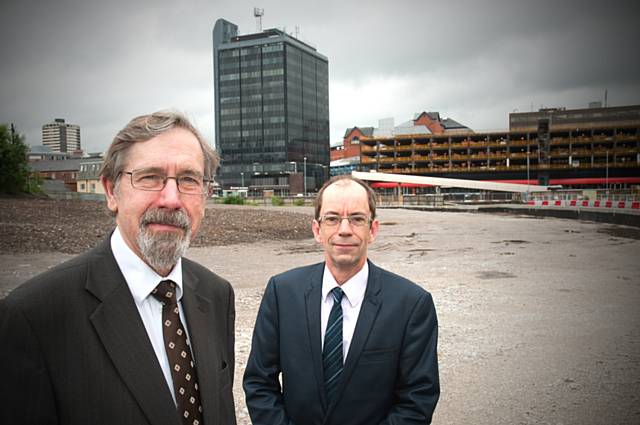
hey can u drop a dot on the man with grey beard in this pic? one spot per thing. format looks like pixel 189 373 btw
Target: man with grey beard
pixel 129 332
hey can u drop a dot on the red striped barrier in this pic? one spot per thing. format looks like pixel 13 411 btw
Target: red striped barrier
pixel 598 203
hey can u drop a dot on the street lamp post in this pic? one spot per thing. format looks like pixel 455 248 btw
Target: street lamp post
pixel 606 176
pixel 242 178
pixel 527 173
pixel 304 179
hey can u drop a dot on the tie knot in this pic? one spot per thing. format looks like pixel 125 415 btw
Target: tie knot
pixel 165 292
pixel 337 294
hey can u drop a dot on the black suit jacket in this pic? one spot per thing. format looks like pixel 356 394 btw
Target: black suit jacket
pixel 391 372
pixel 74 350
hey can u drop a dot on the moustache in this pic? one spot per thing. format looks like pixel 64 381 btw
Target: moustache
pixel 176 218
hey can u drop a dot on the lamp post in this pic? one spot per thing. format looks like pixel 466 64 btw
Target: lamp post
pixel 242 178
pixel 304 179
pixel 606 176
pixel 528 173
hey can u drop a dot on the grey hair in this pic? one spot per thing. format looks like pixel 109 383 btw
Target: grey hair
pixel 146 127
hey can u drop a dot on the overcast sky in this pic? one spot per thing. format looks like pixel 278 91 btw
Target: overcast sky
pixel 100 63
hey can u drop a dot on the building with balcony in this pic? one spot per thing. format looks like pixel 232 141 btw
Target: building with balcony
pixel 271 111
pixel 346 157
pixel 586 148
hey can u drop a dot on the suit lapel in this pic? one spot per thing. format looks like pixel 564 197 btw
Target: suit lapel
pixel 121 331
pixel 368 312
pixel 197 309
pixel 313 299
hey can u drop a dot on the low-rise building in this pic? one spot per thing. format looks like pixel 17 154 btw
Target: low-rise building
pixel 45 153
pixel 65 170
pixel 88 180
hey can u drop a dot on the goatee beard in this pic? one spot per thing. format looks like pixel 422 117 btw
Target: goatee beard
pixel 161 250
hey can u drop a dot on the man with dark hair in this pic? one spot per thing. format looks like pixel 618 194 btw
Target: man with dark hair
pixel 344 341
pixel 129 332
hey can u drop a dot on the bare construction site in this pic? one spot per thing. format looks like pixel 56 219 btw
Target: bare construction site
pixel 538 317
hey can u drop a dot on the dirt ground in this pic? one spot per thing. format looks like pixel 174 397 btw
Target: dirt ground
pixel 539 318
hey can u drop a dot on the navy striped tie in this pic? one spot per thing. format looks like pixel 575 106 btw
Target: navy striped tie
pixel 332 350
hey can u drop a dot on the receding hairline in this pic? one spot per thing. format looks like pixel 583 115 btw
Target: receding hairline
pixel 336 179
pixel 345 183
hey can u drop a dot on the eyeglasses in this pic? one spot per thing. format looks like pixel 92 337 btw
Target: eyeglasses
pixel 189 184
pixel 332 220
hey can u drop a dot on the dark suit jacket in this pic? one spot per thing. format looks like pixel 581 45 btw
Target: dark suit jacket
pixel 391 370
pixel 74 350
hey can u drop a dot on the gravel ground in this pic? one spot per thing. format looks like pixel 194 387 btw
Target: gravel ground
pixel 71 227
pixel 539 320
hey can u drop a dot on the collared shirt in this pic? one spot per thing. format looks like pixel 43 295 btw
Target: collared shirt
pixel 141 280
pixel 354 290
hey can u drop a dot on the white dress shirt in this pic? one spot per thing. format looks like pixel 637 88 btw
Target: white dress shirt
pixel 142 279
pixel 353 289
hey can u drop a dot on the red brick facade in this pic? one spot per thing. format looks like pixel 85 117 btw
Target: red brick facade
pixel 350 145
pixel 425 119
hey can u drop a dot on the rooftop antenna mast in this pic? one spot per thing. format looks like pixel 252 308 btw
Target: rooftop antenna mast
pixel 258 13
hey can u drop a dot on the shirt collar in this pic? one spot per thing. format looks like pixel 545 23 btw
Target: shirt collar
pixel 141 278
pixel 353 288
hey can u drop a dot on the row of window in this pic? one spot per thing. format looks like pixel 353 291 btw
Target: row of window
pixel 253 74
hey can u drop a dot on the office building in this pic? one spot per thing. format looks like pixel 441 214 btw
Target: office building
pixel 271 111
pixel 61 137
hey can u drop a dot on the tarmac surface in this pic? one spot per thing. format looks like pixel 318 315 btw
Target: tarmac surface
pixel 539 317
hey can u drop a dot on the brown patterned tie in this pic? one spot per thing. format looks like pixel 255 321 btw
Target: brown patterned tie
pixel 183 371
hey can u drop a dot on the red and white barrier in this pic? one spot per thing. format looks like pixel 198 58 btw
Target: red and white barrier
pixel 596 203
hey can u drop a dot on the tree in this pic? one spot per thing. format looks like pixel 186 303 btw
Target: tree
pixel 14 170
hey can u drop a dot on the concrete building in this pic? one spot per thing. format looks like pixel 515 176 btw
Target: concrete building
pixel 271 111
pixel 345 158
pixel 61 137
pixel 581 148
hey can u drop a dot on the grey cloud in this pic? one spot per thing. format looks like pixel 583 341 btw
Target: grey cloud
pixel 100 63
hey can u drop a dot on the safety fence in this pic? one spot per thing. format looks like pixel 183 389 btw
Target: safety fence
pixel 584 203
